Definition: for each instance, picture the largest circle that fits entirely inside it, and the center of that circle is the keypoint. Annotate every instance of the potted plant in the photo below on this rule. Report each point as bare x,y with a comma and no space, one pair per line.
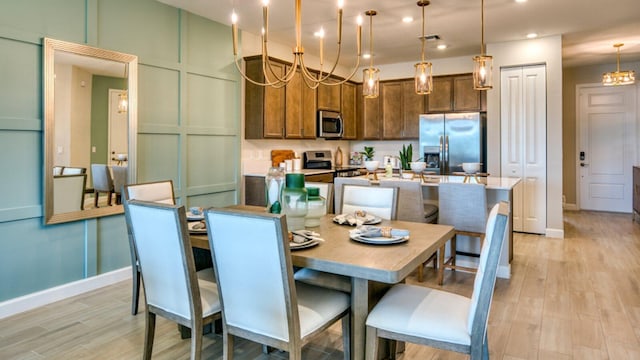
405,157
369,163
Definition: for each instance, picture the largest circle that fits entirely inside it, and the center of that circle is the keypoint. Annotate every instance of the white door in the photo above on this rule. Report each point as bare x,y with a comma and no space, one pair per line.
606,148
523,143
118,129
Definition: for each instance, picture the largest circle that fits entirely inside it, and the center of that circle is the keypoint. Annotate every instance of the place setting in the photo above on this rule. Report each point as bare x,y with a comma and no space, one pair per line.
379,235
303,239
357,218
195,218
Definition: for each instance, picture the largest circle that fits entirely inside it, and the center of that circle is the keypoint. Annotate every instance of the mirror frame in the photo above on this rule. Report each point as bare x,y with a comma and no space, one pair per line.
50,47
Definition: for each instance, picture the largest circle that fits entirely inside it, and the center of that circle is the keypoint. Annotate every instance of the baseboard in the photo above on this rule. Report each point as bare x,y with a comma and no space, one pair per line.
570,207
503,272
554,233
48,296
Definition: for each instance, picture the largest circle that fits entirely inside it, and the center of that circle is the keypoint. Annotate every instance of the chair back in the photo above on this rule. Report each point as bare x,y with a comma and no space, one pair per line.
101,176
158,191
252,263
338,183
70,170
485,279
68,193
119,178
166,261
57,170
375,200
326,191
410,203
464,206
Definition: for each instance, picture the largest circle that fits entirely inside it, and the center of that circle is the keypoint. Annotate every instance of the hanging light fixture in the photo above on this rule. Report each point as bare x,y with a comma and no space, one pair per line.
424,76
123,101
618,77
270,76
371,75
482,64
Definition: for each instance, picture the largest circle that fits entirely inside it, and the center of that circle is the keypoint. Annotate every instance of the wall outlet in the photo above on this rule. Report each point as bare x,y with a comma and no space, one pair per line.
93,149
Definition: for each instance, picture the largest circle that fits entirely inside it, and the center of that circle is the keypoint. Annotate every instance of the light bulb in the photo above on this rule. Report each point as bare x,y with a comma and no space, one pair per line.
359,20
234,18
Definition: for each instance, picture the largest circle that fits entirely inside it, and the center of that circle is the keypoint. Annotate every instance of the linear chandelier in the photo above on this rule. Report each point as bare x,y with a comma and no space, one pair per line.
424,76
311,80
482,64
618,77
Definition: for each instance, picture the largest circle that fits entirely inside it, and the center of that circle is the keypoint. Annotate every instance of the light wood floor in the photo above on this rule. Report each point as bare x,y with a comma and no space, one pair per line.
571,298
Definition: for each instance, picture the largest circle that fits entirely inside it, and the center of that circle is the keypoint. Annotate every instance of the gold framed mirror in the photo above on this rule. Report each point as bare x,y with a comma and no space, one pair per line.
90,116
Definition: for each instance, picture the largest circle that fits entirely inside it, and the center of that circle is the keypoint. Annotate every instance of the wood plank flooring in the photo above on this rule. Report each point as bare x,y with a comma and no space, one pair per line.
571,298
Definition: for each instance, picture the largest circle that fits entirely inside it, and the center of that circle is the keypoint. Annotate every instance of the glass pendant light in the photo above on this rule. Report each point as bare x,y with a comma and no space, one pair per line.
424,76
123,101
618,77
482,64
371,75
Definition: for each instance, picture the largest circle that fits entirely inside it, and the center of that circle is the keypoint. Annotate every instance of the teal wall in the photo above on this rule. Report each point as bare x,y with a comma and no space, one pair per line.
100,86
188,127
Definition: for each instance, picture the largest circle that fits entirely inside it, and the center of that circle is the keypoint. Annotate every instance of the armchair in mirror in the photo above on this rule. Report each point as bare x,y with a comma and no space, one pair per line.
90,113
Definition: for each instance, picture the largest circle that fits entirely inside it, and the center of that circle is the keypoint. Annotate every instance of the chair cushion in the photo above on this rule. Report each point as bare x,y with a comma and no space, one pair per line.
323,279
318,305
423,312
208,294
207,275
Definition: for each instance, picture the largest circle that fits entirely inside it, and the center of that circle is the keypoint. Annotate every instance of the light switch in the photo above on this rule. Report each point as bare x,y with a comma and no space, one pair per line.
93,149
59,149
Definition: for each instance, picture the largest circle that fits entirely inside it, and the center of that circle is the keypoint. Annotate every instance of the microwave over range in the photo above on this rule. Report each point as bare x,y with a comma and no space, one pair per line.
329,124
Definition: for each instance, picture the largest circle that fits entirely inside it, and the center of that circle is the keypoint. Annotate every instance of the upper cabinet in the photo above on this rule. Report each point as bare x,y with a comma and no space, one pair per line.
349,110
300,112
329,97
401,108
369,121
264,105
455,93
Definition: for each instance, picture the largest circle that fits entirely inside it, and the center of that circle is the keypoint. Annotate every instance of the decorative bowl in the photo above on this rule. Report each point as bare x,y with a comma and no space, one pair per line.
471,168
371,165
418,166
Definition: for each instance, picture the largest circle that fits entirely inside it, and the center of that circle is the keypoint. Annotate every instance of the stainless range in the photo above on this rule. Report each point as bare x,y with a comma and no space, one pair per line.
320,159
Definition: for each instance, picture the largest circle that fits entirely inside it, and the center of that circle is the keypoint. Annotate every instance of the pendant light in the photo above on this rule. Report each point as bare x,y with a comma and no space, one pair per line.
123,101
371,75
424,76
482,64
618,77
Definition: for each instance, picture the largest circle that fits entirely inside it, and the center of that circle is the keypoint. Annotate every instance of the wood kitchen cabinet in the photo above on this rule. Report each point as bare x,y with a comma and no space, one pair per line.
348,109
300,111
636,193
455,93
329,96
264,105
369,123
401,108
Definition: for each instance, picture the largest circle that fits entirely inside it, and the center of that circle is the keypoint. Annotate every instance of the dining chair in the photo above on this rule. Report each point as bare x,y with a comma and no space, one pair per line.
268,306
172,288
338,183
464,206
71,170
57,170
159,192
119,174
68,193
102,182
326,191
441,319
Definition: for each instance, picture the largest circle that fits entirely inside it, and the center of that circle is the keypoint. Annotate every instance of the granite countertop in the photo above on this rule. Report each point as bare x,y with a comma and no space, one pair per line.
492,182
302,171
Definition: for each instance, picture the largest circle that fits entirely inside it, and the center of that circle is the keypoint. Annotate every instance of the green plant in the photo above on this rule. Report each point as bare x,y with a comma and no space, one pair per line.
405,156
368,153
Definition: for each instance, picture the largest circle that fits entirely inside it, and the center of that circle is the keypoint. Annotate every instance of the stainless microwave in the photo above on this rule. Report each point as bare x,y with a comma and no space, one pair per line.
329,124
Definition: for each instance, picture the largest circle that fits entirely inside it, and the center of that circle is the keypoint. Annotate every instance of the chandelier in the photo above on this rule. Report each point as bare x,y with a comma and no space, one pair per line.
482,64
618,77
423,77
271,78
371,75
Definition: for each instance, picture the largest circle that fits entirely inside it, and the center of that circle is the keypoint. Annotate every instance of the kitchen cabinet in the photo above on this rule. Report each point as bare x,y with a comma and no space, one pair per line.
264,105
300,110
636,193
401,108
348,108
329,96
455,93
369,123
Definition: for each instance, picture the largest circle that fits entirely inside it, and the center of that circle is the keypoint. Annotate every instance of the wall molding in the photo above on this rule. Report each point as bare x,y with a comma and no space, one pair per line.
554,233
570,207
65,291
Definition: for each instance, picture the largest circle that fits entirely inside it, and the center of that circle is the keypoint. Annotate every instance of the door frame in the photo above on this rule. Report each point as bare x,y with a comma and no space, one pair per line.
579,120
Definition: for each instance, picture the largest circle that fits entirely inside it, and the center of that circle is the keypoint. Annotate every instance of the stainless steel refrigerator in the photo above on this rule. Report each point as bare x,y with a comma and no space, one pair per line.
448,140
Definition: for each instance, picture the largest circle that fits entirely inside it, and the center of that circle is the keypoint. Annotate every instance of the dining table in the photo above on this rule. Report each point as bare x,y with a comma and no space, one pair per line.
373,268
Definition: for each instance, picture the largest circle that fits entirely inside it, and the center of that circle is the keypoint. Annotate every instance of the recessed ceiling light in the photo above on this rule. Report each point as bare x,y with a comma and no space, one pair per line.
366,56
407,19
532,36
521,1
442,46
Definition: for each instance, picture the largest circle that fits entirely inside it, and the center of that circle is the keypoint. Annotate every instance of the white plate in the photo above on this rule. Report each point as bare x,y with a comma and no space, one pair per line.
379,240
191,217
304,245
196,231
375,220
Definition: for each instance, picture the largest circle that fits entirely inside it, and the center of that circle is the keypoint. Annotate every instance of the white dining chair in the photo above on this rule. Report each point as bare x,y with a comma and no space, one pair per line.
102,182
172,288
68,193
338,183
268,306
73,170
119,175
437,318
160,192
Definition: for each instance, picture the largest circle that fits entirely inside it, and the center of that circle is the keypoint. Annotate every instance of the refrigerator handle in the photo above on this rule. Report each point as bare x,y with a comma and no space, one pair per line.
441,156
446,154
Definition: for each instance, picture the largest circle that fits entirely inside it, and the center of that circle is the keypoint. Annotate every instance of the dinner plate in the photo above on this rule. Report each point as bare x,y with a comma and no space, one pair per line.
196,231
375,220
379,240
191,217
304,245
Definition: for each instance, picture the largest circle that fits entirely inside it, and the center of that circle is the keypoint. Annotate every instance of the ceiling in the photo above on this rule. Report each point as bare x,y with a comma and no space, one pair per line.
588,28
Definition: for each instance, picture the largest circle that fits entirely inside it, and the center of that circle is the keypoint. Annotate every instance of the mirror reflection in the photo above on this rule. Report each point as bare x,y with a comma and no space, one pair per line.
89,115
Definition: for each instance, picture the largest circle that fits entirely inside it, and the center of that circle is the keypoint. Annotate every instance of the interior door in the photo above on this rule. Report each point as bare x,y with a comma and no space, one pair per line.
118,129
606,149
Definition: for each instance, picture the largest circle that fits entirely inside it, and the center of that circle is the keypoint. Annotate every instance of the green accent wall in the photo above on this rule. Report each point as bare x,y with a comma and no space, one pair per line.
100,115
188,128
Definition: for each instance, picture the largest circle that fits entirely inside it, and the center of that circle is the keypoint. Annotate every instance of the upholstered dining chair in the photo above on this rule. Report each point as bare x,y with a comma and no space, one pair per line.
119,180
159,192
438,318
72,170
102,182
338,183
268,307
68,193
172,288
464,206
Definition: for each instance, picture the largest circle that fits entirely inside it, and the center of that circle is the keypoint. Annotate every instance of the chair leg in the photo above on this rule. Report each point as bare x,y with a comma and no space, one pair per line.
135,291
227,346
150,329
421,272
109,198
95,199
441,256
371,350
196,339
346,336
453,252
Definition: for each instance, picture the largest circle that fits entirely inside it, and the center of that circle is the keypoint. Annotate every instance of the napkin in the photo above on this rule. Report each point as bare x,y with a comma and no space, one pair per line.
380,231
303,236
357,218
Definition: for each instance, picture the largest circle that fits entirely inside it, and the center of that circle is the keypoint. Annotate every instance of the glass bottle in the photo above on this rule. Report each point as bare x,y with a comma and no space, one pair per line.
317,207
274,182
294,201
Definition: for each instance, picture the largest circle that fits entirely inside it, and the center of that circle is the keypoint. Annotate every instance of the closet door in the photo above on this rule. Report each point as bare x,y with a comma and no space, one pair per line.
523,144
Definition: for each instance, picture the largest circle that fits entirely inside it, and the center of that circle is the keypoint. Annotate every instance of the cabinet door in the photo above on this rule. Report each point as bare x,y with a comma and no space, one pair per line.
440,98
392,119
329,97
300,110
274,100
348,110
309,106
412,106
465,98
370,127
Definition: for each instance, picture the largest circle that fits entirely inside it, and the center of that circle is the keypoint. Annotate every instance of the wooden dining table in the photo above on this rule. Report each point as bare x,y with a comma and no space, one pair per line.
372,268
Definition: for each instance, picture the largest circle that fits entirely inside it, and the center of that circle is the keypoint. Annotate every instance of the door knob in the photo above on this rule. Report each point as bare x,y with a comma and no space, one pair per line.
583,164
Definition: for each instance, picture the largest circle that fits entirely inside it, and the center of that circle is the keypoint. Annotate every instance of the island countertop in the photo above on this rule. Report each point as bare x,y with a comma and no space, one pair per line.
492,182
